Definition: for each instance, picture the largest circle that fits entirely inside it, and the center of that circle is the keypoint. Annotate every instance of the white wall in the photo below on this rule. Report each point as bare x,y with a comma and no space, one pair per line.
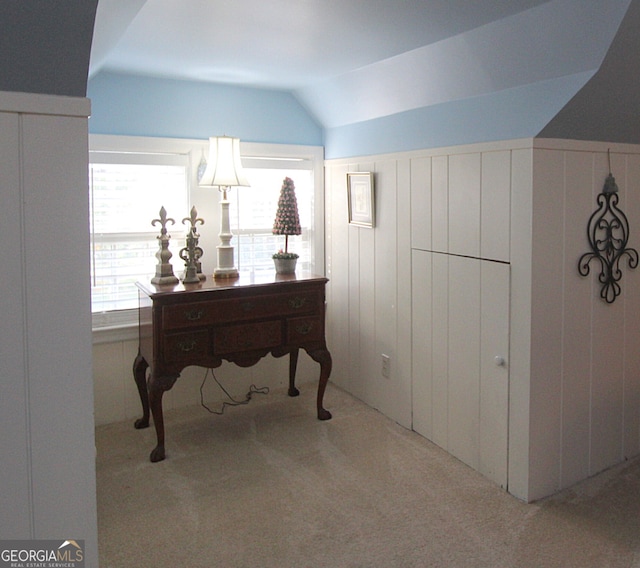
574,379
369,290
46,411
585,362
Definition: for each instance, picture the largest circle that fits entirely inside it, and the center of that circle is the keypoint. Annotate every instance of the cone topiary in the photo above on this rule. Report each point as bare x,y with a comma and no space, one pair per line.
287,220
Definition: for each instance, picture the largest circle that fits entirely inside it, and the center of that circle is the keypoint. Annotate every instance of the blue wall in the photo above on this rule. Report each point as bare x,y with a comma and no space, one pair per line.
145,106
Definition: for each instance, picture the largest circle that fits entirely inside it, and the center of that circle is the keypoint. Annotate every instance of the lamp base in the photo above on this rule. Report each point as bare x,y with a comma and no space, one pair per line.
225,268
225,273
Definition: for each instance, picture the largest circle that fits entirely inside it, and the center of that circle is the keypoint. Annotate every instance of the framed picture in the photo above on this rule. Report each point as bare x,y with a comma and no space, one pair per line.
361,198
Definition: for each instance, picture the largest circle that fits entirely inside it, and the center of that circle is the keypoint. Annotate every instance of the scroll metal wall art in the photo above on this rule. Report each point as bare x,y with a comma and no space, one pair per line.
608,234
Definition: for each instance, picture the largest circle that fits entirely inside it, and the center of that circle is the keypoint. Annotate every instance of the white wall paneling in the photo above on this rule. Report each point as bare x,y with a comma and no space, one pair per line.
493,431
464,204
630,188
495,206
520,329
495,234
460,392
47,410
14,410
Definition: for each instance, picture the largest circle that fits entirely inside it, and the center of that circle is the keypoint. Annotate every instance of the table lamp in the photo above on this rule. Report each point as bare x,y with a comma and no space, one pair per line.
224,171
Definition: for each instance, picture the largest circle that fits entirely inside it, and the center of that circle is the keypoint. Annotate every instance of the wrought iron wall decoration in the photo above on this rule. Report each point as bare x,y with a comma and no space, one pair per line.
608,234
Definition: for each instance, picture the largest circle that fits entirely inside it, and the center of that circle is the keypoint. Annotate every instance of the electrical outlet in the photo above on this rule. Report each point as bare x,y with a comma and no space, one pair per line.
386,366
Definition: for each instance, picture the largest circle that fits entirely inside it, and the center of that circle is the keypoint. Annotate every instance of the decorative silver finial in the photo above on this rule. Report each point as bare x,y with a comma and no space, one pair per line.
193,221
164,270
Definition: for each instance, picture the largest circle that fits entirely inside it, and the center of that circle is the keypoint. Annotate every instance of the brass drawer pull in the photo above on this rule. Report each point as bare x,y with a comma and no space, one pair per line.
187,346
193,315
304,329
297,302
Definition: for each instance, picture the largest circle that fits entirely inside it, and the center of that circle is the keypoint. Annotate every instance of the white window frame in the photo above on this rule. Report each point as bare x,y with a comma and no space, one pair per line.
118,326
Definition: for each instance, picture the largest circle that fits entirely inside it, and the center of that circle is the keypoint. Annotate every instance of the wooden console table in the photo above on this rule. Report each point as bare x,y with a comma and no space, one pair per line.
239,320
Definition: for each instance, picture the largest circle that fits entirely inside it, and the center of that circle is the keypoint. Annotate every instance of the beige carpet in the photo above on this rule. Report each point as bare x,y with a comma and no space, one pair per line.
268,485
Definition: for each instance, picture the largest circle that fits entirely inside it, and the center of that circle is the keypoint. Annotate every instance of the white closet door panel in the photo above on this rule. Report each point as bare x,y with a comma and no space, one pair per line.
494,370
440,203
495,209
421,203
422,341
440,360
464,359
464,204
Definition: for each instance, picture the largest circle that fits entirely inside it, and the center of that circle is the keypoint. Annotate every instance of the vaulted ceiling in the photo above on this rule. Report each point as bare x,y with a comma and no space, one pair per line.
473,70
350,61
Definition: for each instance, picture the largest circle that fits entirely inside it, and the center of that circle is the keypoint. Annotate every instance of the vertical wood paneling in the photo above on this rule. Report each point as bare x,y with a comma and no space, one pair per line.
573,369
14,442
440,349
367,303
421,203
400,395
494,377
464,204
464,359
520,322
495,207
631,291
422,343
576,337
353,292
440,203
339,273
607,357
60,393
386,284
546,320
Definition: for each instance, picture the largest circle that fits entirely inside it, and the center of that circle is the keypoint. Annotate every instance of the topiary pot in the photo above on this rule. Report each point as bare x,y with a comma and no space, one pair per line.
285,265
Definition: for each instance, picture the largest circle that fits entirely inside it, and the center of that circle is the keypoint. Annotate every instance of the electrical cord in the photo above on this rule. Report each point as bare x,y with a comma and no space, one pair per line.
252,390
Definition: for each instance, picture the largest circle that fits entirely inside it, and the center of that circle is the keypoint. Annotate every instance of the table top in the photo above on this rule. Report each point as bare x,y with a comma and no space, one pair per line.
266,278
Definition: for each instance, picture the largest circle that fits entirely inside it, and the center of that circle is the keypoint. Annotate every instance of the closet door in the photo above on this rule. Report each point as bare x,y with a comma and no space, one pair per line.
460,358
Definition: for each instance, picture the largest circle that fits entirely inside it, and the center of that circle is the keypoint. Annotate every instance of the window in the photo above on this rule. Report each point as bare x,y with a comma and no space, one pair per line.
130,178
126,194
254,208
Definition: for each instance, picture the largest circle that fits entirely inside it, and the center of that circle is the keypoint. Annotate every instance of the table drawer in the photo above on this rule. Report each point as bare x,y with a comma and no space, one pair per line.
197,314
305,329
186,346
247,337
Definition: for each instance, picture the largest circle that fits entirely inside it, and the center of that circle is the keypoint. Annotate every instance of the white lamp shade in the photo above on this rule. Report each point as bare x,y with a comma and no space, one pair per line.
224,167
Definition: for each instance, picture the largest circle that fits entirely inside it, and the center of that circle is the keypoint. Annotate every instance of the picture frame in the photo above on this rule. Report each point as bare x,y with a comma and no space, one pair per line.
361,199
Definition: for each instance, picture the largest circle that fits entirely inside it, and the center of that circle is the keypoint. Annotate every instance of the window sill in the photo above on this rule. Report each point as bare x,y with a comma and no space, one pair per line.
115,334
112,327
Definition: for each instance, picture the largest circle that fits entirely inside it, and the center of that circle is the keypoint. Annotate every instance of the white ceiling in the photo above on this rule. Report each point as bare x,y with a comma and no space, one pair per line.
283,44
